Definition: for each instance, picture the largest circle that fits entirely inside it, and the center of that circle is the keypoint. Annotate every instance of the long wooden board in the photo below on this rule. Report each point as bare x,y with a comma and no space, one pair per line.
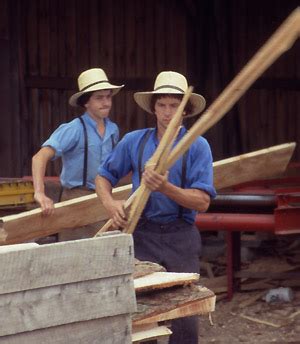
109,330
161,280
63,304
84,210
74,213
30,267
260,164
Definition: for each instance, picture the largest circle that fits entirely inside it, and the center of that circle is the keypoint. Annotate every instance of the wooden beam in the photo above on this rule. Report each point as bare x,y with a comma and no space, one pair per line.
260,164
84,210
69,214
65,262
161,280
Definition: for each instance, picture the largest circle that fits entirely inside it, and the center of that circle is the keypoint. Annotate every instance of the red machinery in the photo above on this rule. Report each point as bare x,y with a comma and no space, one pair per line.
260,206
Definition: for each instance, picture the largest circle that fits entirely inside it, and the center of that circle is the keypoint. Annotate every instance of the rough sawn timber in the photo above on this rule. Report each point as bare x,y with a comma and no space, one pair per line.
75,291
81,211
74,213
173,303
260,164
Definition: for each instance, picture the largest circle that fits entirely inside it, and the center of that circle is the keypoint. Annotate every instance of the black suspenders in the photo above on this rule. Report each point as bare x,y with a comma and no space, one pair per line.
140,168
141,152
86,145
85,159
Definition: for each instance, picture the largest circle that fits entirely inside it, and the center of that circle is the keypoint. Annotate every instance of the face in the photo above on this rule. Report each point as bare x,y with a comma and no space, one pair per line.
164,109
99,104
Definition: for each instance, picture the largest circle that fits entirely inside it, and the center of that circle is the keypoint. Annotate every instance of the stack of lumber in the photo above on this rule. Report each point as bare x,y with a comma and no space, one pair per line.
69,292
163,296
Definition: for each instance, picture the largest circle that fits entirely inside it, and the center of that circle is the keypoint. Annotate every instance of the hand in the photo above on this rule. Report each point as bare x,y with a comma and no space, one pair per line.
45,203
115,209
155,181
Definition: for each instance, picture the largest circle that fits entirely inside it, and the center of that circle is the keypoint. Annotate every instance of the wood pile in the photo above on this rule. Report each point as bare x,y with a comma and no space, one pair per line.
163,296
68,292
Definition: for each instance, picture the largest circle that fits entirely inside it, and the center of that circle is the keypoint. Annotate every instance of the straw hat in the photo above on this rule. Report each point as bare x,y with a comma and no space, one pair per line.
170,83
92,80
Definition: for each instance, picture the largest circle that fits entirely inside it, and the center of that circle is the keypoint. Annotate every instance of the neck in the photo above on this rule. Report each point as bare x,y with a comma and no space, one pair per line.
100,124
99,121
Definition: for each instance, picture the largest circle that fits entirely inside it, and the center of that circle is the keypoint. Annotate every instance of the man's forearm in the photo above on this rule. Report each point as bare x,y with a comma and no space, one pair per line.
189,198
103,189
39,164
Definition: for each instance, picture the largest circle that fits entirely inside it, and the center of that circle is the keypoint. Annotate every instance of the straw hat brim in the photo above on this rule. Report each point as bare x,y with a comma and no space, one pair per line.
103,86
143,99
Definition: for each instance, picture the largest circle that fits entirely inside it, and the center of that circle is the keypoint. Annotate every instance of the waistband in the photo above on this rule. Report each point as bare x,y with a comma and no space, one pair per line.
178,225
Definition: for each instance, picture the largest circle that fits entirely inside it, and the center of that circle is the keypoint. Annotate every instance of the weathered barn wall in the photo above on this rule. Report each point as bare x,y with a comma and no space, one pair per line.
45,44
226,35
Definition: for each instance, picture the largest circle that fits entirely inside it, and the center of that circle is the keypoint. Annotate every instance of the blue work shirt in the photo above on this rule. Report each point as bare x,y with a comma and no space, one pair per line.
160,208
68,142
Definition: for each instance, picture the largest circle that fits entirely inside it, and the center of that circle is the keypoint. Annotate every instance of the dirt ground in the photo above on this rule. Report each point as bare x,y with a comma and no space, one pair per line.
248,318
282,321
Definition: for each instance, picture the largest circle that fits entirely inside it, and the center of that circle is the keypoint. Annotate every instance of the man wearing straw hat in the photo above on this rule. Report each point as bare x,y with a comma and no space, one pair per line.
165,233
82,144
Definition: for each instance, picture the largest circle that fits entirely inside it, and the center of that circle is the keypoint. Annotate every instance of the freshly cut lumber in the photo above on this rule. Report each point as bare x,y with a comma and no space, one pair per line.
84,210
74,213
161,280
260,164
173,303
143,268
151,334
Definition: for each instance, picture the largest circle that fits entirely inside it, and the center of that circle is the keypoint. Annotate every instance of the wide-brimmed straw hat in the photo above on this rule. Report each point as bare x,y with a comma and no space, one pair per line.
92,80
170,83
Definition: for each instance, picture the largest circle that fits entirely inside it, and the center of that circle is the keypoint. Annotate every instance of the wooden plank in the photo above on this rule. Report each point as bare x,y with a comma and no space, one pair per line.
88,209
63,304
65,262
116,329
151,334
143,268
69,214
260,164
173,303
161,280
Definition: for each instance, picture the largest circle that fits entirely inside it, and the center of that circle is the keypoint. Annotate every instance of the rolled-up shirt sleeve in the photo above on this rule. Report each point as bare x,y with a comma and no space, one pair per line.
201,171
64,138
118,163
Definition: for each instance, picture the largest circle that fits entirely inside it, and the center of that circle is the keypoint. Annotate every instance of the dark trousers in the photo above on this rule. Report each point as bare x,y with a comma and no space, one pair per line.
177,247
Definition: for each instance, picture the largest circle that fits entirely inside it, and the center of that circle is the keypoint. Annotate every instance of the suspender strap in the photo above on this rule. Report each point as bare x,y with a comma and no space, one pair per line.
183,179
85,160
141,152
184,165
113,144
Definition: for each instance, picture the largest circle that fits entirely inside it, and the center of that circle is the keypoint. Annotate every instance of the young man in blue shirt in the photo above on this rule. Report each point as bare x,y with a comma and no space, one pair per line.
82,144
165,233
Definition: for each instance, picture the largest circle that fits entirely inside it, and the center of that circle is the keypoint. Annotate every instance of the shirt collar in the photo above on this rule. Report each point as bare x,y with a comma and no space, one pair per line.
181,133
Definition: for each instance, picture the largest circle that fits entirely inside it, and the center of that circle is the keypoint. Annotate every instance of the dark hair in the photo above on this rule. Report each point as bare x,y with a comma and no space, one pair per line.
84,98
188,108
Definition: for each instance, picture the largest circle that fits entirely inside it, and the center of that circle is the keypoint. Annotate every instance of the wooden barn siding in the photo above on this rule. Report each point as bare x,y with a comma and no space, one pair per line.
130,40
133,40
229,34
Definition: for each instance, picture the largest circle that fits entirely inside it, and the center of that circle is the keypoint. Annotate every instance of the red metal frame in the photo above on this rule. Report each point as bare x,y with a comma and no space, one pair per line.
284,220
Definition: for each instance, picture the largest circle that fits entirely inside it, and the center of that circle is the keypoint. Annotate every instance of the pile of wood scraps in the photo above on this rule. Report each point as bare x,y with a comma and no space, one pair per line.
163,296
